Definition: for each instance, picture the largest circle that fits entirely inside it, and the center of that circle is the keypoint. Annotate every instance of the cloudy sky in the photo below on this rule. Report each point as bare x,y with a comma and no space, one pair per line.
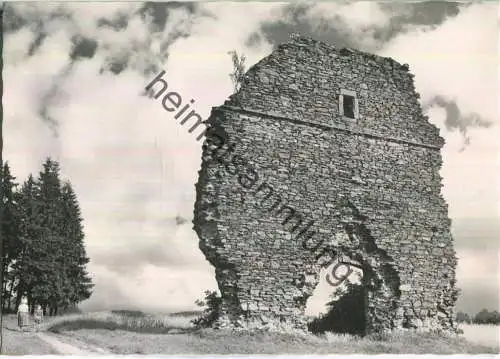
74,76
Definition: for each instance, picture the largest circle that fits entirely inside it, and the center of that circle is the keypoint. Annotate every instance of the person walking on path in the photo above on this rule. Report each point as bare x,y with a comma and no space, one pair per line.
23,314
38,316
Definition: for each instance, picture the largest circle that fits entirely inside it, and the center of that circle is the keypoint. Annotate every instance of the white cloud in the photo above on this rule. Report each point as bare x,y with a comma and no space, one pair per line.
459,59
470,177
357,15
16,48
151,288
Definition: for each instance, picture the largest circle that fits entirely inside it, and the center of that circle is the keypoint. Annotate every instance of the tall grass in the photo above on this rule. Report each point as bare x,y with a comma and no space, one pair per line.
210,341
133,321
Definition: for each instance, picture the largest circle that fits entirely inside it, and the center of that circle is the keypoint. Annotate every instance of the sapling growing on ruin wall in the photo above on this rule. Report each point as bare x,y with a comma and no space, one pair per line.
238,69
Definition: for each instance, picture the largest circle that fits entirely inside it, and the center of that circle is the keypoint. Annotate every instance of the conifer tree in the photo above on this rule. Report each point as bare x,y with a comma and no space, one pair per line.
47,290
45,252
1,187
79,282
26,267
10,231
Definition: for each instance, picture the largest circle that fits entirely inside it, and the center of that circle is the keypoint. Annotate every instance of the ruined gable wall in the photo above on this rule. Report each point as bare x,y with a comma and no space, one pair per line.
301,80
398,215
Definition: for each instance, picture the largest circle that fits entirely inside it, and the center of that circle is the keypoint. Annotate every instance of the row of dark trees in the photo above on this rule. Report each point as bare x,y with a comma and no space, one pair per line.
44,257
483,317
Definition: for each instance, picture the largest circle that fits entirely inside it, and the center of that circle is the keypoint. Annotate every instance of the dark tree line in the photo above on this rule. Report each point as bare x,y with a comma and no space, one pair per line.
482,317
43,254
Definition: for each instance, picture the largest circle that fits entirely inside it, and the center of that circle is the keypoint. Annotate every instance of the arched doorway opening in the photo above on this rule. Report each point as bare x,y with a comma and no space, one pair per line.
370,304
338,301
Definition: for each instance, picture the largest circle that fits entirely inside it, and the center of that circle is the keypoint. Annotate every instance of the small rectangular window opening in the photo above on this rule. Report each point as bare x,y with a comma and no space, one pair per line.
348,104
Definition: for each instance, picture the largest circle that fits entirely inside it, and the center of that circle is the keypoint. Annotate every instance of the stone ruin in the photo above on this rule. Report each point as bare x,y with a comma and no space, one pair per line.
325,152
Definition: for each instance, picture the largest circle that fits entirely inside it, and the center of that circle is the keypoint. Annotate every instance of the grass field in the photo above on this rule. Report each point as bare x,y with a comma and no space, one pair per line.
17,343
482,334
139,333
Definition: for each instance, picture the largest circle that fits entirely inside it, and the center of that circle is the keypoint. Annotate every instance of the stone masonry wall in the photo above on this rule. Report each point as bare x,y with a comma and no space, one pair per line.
371,188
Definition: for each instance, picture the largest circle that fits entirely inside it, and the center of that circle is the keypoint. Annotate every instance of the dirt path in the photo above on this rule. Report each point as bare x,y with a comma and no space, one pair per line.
69,349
